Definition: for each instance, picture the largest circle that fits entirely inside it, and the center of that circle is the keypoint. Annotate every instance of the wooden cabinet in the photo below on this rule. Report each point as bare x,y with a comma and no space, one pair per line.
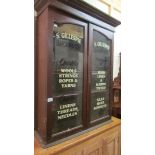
116,107
104,140
74,65
112,144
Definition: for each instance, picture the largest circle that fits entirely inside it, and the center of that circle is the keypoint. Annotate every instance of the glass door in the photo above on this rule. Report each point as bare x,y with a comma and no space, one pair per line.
67,76
100,73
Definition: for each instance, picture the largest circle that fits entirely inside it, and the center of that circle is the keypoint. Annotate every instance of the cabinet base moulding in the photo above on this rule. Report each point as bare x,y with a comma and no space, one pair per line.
104,140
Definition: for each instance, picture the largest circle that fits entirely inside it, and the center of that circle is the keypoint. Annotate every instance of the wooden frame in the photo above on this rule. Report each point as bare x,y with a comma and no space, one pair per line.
50,12
108,35
62,18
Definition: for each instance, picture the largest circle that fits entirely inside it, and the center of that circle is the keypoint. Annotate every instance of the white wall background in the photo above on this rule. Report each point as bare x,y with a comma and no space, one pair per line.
117,50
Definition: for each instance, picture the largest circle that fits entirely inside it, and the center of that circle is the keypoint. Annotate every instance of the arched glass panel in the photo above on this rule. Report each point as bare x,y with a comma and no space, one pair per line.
100,75
68,51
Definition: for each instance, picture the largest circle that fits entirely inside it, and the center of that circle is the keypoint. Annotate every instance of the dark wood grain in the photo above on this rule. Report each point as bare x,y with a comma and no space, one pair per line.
82,9
74,12
41,57
35,74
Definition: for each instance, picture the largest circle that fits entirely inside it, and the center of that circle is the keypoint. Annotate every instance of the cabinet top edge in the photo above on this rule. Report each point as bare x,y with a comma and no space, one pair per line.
80,5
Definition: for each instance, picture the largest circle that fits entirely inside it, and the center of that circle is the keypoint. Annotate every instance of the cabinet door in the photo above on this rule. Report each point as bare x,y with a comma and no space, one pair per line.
111,146
100,74
94,149
67,75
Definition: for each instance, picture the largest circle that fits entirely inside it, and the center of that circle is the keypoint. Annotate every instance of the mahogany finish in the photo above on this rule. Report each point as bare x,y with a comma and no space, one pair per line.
74,12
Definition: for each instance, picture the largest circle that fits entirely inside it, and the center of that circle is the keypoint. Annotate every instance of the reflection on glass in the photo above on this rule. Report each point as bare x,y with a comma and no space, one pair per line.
100,76
68,40
68,58
67,113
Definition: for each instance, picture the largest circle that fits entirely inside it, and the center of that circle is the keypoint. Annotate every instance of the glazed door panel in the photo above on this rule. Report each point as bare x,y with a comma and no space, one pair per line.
66,91
100,73
68,55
